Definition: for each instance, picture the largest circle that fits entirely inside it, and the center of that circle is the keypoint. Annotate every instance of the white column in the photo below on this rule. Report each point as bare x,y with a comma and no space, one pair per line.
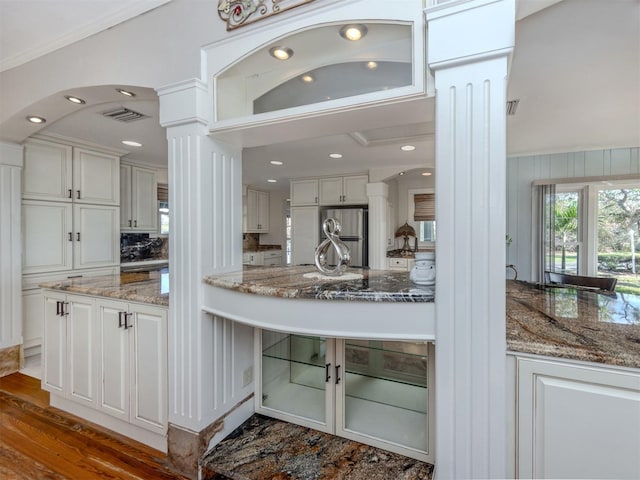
469,45
205,199
378,222
10,246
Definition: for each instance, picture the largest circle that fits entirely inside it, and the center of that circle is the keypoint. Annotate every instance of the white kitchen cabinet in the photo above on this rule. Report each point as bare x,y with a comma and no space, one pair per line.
60,236
59,172
304,192
69,347
47,172
305,234
576,420
348,190
374,392
96,177
404,264
257,218
133,363
267,258
47,236
138,199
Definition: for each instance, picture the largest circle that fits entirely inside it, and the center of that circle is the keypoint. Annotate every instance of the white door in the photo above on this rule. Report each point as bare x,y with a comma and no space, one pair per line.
46,236
47,171
304,234
81,345
113,364
355,189
304,192
54,343
148,333
577,421
252,211
144,199
32,317
330,191
126,216
96,177
96,236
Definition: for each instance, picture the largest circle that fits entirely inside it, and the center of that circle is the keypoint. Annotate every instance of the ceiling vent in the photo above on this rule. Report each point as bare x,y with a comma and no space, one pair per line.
512,106
122,114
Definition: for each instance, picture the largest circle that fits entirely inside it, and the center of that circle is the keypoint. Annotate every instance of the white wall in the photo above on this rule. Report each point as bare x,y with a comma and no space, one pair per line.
522,171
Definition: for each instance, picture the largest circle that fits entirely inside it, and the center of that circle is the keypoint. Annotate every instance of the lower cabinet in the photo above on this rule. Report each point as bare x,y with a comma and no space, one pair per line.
69,367
575,420
108,355
375,392
133,363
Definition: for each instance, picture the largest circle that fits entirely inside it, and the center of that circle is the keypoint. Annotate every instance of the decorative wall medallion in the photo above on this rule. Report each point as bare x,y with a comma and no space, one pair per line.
238,13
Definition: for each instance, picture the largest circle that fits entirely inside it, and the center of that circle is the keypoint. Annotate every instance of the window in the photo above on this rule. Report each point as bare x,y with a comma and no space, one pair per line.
422,215
592,229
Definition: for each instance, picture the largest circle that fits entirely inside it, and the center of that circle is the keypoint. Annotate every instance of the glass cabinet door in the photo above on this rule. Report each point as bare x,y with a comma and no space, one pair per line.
296,378
384,396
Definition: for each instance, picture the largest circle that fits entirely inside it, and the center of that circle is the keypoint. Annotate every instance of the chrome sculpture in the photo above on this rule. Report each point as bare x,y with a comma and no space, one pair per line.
331,228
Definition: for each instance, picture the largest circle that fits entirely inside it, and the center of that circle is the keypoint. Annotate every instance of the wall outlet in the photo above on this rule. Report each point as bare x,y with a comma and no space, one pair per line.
247,376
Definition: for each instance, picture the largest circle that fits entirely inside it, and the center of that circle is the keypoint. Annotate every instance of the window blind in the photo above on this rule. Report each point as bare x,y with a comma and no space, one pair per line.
424,207
163,192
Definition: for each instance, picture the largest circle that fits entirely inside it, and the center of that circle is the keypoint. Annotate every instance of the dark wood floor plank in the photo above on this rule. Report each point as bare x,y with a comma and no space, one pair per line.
57,445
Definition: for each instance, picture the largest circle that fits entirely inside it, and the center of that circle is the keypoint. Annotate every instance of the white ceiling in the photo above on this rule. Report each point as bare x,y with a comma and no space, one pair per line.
576,71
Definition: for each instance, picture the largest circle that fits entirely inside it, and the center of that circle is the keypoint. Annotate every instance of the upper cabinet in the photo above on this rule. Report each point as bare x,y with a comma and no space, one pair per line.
348,190
304,192
63,173
138,199
257,215
343,190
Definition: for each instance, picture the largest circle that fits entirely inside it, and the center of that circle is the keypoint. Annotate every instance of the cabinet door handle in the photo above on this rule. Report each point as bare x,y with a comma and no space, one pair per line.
78,194
126,318
129,222
338,374
70,193
316,201
58,308
78,236
135,223
120,323
327,375
70,237
64,310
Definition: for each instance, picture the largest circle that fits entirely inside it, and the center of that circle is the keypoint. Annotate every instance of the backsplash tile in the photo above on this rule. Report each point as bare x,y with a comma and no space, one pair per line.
137,247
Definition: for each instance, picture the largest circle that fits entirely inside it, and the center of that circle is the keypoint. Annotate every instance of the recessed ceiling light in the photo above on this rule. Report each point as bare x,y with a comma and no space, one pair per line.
35,119
132,143
426,174
281,53
271,180
275,162
371,65
75,100
353,32
307,78
407,148
335,155
401,173
125,92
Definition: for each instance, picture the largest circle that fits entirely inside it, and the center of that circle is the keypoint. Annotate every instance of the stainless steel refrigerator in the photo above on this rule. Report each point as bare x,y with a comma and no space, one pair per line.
354,233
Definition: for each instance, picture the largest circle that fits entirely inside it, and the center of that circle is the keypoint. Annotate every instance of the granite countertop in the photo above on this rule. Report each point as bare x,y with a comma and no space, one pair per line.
573,323
144,287
262,248
290,282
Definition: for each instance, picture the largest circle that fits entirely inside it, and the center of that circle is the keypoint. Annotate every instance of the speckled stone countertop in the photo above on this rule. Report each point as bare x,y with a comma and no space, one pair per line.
289,282
575,324
144,287
267,449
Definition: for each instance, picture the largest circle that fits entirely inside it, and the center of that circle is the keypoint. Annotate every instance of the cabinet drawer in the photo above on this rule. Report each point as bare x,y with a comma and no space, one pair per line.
274,254
397,262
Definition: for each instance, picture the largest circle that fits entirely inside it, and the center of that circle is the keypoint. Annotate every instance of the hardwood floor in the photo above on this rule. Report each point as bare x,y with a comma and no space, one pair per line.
41,442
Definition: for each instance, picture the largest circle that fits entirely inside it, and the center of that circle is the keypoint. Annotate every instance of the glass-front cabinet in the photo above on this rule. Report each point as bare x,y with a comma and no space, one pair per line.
373,391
